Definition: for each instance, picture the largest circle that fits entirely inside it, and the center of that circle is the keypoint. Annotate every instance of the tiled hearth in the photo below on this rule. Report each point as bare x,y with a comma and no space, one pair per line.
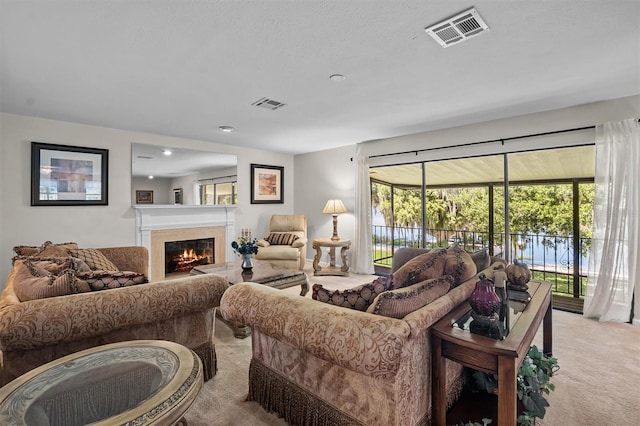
158,224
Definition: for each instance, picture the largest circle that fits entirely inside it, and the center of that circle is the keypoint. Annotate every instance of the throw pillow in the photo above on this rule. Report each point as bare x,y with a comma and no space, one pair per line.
104,280
94,258
281,238
358,298
422,267
401,302
481,258
33,250
58,250
459,265
32,281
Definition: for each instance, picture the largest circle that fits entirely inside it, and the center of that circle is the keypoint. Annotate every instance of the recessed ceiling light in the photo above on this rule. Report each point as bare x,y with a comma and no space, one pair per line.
166,152
337,77
226,129
150,177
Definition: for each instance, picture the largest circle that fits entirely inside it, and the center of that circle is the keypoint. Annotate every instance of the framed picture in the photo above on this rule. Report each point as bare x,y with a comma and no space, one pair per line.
63,175
177,196
144,196
267,184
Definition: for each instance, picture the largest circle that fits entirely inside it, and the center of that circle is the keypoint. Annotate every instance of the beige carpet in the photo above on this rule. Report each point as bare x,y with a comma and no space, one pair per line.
597,383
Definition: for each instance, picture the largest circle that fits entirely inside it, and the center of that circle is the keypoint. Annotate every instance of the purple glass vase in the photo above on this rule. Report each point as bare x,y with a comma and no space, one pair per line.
484,300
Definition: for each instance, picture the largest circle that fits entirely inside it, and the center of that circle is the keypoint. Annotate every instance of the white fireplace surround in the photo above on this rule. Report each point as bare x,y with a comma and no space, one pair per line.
157,224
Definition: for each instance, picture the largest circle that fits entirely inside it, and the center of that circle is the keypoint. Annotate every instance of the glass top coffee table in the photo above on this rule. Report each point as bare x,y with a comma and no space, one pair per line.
264,273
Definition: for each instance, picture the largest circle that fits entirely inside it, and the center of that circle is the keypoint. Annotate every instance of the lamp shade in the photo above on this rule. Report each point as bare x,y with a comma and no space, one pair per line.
334,207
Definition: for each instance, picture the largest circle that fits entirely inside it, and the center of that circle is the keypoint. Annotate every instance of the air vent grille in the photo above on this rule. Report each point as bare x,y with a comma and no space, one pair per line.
268,104
458,28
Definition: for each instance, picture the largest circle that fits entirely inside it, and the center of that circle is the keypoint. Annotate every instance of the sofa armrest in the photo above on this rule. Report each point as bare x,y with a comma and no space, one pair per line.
362,342
133,258
48,321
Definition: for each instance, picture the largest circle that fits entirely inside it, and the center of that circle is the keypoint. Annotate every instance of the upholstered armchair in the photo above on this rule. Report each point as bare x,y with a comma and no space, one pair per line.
286,244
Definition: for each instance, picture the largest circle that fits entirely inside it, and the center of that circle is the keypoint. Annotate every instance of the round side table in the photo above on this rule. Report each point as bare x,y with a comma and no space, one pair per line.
332,269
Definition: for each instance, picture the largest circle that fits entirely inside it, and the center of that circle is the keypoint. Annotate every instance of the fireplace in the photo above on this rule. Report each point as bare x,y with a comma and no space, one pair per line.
160,224
183,256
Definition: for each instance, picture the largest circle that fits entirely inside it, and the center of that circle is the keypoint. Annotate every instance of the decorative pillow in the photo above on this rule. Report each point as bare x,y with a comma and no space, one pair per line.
26,250
459,265
358,298
104,280
481,258
48,249
58,250
32,281
401,302
422,267
94,258
281,238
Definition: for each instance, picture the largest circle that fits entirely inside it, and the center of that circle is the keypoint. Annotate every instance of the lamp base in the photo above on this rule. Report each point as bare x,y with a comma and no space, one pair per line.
335,237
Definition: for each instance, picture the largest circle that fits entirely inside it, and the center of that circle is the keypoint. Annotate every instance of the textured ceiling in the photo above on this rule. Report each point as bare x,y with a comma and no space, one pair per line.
183,68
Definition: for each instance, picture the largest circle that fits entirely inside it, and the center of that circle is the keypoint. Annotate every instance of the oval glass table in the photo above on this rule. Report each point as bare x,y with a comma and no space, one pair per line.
139,382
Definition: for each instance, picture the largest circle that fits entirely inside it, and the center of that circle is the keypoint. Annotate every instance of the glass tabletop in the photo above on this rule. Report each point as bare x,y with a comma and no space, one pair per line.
500,326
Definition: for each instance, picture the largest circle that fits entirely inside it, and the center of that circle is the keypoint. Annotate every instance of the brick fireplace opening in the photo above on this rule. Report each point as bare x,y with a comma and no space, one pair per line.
182,256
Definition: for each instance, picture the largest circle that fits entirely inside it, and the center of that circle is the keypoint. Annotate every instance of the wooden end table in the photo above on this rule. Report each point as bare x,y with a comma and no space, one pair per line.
488,354
332,269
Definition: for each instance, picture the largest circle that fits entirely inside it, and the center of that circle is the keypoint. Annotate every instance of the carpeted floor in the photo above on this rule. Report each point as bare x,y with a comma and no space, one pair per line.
597,383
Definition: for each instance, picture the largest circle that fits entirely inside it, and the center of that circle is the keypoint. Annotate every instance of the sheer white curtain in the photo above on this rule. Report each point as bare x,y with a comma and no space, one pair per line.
362,257
614,268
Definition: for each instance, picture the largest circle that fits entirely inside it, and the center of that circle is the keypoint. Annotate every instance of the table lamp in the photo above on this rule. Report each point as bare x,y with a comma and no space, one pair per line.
334,207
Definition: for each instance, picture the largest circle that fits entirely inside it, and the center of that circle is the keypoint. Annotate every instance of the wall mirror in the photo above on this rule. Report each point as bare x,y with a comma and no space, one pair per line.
183,176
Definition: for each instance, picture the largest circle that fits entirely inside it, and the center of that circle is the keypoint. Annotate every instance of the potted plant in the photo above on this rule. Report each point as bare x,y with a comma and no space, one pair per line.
533,384
246,248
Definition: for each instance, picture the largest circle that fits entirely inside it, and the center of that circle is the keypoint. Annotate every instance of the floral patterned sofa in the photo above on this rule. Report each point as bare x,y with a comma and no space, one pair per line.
320,364
34,332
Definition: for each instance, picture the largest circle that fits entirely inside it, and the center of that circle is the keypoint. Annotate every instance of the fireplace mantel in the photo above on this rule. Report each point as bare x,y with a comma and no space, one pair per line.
156,223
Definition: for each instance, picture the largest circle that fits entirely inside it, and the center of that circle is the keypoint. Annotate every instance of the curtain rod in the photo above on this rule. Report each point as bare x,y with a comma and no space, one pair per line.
501,140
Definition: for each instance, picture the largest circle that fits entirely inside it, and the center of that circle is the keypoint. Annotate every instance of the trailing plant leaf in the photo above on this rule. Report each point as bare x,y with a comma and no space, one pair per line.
532,384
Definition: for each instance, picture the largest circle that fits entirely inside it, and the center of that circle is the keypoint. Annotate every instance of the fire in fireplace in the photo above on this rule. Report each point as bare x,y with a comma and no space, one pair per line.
182,256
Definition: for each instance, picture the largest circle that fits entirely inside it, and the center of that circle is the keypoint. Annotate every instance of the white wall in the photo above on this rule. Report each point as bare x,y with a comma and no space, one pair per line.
321,176
112,225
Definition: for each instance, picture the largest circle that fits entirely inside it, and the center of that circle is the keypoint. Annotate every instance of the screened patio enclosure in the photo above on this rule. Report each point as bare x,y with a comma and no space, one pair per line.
545,221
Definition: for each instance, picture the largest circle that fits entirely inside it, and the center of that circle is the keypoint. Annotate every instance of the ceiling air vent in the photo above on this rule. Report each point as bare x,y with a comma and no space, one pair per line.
268,104
458,28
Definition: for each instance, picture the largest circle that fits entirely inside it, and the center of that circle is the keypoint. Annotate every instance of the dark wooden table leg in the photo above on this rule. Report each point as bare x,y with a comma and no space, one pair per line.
438,384
507,391
547,331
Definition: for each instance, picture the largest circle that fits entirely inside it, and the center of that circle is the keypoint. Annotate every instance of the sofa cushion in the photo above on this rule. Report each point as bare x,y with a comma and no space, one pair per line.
94,258
422,267
281,238
358,298
33,280
459,265
481,258
104,280
401,302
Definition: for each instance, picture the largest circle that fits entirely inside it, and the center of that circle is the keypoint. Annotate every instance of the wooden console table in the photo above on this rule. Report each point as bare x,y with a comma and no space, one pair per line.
332,269
490,355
